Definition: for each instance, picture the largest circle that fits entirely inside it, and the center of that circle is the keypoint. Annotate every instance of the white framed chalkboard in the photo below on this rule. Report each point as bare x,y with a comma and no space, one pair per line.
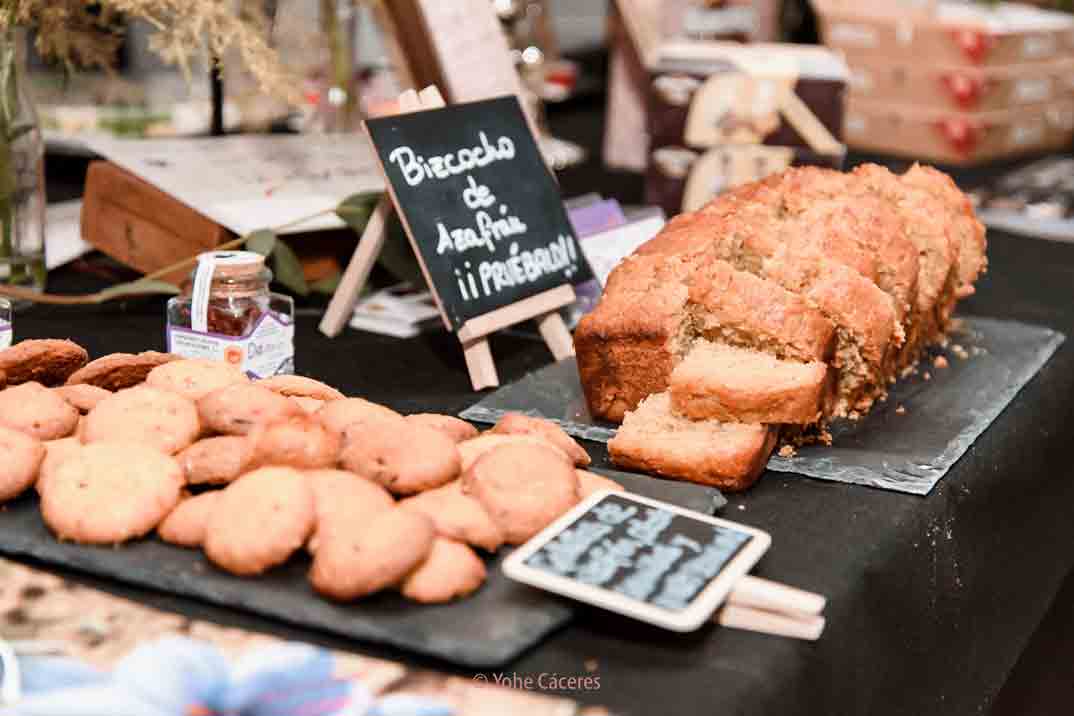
643,558
482,210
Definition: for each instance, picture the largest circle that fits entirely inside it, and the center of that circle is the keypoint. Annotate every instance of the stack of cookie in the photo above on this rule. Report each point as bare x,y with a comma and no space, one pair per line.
253,472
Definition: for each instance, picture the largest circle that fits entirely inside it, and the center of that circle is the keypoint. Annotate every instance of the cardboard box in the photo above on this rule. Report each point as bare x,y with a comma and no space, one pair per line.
967,89
725,114
946,33
951,137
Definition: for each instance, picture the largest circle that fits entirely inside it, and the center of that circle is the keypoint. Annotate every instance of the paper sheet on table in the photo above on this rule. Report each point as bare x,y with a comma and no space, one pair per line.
907,450
253,182
63,233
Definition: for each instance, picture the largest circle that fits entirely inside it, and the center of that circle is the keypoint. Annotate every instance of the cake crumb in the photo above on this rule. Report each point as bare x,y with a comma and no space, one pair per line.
787,451
959,351
940,362
926,375
900,410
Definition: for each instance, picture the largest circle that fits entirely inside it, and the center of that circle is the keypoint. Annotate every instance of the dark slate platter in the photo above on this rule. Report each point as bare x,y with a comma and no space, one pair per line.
488,630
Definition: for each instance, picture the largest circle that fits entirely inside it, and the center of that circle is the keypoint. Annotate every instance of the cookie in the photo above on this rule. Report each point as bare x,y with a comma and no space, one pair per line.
236,409
82,397
342,499
298,386
194,379
338,415
33,409
260,520
110,492
456,429
365,558
309,405
402,457
45,361
185,525
56,452
451,571
117,371
165,421
300,441
471,450
457,516
523,488
518,424
20,460
590,482
215,461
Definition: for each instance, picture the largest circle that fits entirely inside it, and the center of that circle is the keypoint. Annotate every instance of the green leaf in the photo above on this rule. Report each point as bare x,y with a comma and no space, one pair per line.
355,210
328,284
18,130
262,241
143,286
289,269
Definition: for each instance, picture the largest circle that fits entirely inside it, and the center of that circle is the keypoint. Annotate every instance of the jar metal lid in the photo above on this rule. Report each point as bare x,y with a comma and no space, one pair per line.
232,258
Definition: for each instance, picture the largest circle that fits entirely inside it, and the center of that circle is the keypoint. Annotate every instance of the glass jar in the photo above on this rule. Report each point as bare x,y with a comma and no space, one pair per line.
7,332
229,314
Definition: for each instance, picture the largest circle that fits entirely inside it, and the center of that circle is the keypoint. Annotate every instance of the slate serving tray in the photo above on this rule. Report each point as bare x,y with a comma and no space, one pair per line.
488,630
906,444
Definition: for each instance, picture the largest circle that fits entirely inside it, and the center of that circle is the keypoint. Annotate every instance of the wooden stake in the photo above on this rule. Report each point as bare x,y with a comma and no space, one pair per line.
354,277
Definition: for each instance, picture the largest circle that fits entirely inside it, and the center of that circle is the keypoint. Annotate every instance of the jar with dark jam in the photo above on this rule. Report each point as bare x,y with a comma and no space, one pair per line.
228,313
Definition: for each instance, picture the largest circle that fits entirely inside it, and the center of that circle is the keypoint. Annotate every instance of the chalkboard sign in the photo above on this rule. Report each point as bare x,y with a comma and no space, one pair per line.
647,559
480,206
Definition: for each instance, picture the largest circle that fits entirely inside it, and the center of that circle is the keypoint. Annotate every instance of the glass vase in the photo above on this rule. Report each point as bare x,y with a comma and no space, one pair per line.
22,175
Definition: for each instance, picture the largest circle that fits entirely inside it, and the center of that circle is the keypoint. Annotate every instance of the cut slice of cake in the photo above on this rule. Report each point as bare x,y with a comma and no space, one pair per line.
738,385
730,456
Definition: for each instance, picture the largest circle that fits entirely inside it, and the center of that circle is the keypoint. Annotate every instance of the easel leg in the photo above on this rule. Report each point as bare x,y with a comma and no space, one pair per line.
350,286
555,334
479,363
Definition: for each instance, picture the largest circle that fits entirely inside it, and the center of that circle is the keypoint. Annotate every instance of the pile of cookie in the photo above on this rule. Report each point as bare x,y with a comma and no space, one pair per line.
254,471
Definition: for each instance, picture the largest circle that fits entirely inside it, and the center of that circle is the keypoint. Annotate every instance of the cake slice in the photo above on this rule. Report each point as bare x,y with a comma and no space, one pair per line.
730,456
737,385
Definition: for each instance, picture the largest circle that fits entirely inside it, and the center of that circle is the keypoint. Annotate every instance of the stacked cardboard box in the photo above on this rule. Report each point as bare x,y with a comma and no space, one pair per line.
954,82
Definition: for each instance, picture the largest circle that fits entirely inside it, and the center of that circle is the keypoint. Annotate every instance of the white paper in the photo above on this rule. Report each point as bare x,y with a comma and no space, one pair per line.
63,233
253,182
605,250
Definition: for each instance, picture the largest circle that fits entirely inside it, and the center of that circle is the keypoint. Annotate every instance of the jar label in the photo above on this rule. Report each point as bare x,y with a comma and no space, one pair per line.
267,350
6,334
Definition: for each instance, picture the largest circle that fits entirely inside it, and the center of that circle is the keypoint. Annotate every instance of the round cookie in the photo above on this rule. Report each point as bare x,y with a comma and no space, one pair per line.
260,520
45,361
590,482
195,378
56,452
403,458
456,429
236,409
342,499
185,525
338,415
215,461
298,386
309,405
523,487
110,492
451,570
300,441
83,397
365,558
35,410
165,421
471,450
518,424
457,516
117,371
20,460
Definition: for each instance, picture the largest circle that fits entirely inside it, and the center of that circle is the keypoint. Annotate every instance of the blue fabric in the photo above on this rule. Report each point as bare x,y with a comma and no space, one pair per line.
180,677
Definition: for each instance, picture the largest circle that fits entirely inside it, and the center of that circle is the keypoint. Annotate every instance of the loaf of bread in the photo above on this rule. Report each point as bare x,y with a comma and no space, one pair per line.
788,301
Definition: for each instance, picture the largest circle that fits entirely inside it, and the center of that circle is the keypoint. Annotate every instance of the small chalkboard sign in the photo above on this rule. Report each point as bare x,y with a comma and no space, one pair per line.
656,562
480,205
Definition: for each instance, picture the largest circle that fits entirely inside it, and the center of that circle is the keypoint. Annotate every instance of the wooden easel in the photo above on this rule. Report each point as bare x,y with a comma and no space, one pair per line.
543,307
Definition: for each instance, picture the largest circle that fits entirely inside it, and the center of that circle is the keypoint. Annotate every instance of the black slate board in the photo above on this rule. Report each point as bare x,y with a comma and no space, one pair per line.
906,450
494,187
489,629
